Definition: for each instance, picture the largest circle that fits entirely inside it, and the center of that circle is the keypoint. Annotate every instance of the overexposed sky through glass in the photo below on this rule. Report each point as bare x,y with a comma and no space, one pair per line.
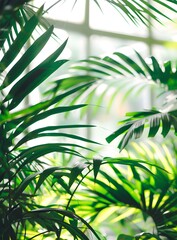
69,11
111,20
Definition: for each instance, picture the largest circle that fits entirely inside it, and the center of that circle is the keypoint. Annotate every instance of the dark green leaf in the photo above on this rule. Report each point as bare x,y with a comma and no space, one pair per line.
44,175
30,81
23,36
121,130
134,126
165,124
157,70
154,125
75,172
37,117
125,237
96,166
24,185
27,57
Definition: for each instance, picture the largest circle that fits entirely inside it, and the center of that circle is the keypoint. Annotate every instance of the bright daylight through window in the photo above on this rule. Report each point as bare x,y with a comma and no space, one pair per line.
100,32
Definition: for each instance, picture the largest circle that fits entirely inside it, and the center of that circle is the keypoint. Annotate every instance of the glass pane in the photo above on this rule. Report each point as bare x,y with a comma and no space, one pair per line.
77,43
166,29
165,52
109,19
69,11
137,94
105,45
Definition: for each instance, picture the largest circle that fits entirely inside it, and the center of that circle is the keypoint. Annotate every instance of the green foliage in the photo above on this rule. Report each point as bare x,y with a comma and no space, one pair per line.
124,73
120,193
25,174
138,121
140,185
162,75
139,11
125,195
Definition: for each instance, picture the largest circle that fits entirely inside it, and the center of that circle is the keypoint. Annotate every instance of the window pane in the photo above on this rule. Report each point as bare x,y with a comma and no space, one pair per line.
166,52
77,43
166,29
69,11
109,19
107,45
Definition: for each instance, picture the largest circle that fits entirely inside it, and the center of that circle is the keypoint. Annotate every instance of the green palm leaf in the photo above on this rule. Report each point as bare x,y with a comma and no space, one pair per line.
113,72
120,73
126,66
48,131
135,125
123,72
27,57
48,214
19,42
25,175
138,11
152,194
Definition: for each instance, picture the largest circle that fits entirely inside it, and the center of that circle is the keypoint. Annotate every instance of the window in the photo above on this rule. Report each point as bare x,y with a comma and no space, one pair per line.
95,32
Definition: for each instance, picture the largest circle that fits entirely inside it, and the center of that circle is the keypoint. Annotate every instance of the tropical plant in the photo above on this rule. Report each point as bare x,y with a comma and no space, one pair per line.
118,68
130,196
132,193
24,170
26,173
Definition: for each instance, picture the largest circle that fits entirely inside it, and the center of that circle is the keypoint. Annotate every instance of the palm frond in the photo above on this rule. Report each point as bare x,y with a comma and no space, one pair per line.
135,125
9,26
27,82
45,217
120,65
113,72
119,73
125,192
24,167
139,11
14,15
